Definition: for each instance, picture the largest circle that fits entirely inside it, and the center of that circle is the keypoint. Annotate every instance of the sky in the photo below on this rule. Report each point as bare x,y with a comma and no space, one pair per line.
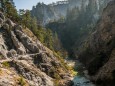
27,4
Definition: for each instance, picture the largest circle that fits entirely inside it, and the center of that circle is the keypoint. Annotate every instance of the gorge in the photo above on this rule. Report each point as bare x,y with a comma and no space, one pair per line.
67,43
84,32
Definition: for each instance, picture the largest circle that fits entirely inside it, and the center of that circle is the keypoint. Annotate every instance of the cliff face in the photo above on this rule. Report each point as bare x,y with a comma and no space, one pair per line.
48,13
98,53
25,61
53,12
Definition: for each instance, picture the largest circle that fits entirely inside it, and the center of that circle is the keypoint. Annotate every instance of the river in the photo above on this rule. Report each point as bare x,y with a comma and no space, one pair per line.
82,78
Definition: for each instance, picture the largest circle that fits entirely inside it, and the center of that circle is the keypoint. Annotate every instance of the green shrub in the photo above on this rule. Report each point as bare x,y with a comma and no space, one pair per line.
0,71
21,81
6,64
1,56
56,82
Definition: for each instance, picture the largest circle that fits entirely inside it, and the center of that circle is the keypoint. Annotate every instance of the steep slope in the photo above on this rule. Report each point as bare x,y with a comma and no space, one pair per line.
25,61
98,53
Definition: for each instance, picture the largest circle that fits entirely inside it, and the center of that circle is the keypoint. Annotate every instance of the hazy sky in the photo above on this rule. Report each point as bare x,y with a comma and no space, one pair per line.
27,4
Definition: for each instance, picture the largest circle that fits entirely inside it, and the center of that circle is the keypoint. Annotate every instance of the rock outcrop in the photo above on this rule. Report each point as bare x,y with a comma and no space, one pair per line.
98,53
19,46
26,60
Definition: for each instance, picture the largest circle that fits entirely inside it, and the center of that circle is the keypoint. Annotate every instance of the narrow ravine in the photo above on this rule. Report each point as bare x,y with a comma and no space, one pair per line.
81,79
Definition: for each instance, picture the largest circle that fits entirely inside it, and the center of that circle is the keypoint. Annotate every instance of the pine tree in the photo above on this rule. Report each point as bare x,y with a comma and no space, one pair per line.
10,11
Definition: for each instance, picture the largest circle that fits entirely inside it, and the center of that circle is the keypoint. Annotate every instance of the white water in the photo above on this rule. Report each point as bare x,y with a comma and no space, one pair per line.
82,81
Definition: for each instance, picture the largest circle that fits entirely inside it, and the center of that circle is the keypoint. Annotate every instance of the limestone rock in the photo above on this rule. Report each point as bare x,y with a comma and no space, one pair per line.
27,42
10,23
6,26
3,48
12,53
32,74
19,46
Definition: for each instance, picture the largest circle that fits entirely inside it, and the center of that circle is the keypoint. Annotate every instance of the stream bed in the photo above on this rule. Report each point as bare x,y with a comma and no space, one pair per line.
82,81
82,78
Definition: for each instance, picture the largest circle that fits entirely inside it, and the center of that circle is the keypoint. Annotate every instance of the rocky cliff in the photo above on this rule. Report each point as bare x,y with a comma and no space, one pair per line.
55,11
24,61
48,13
98,52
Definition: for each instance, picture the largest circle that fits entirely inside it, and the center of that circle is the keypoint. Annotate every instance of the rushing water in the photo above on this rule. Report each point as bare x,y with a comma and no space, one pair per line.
82,78
82,81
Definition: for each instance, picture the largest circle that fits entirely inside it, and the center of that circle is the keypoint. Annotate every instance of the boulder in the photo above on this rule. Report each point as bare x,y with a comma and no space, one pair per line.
21,51
6,26
27,42
10,23
12,53
19,46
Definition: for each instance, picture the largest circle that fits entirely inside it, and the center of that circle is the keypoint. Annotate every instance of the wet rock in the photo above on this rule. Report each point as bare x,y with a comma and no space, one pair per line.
86,82
66,83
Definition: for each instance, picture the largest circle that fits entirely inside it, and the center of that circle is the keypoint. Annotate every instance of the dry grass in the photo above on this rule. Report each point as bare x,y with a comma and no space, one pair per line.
22,81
